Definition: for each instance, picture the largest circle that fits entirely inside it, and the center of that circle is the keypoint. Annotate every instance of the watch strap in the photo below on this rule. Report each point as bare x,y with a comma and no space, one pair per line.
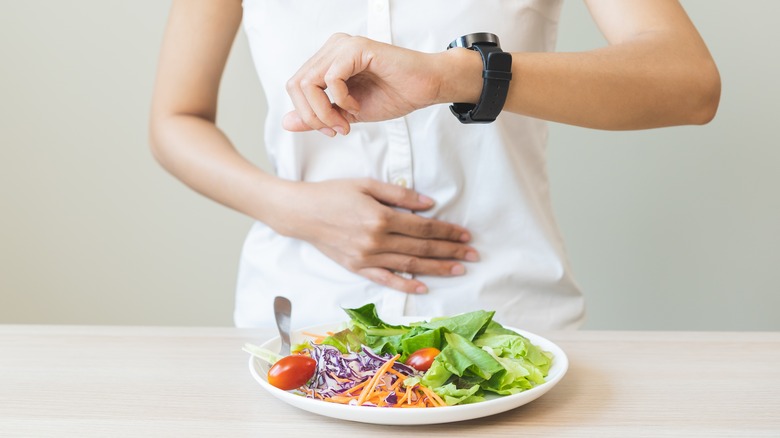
496,75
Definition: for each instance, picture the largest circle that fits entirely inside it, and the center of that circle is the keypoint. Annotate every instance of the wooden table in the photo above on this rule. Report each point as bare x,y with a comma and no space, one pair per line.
95,381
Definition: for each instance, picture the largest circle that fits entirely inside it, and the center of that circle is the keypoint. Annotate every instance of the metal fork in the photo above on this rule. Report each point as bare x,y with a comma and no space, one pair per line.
282,312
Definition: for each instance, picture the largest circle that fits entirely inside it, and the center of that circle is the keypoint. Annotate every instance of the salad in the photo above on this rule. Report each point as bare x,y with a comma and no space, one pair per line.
441,362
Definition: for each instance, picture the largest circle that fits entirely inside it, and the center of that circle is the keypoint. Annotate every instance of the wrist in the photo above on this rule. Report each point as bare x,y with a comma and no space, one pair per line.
272,203
460,76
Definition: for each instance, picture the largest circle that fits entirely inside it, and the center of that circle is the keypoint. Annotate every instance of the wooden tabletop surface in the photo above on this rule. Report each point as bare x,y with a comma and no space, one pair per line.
112,381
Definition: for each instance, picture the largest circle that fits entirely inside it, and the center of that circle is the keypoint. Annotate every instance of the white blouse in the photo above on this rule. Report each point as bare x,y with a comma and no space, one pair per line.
491,178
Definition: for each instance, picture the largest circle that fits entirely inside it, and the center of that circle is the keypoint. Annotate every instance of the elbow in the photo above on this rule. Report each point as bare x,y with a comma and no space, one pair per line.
156,141
706,95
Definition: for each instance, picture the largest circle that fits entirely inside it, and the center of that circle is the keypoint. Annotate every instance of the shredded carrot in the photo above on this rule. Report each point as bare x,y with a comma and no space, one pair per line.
312,393
337,378
406,395
435,397
355,388
339,399
310,334
396,373
374,380
397,383
317,337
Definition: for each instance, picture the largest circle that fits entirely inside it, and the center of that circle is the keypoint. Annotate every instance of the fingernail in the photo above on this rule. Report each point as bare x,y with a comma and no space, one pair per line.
340,130
421,289
458,270
465,237
425,200
472,256
327,131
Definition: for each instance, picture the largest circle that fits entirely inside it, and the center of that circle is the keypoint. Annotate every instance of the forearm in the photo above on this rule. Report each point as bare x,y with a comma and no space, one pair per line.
633,85
656,71
196,152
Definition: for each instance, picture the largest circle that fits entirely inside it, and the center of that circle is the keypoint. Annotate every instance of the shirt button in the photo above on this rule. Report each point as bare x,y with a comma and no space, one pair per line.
379,5
401,182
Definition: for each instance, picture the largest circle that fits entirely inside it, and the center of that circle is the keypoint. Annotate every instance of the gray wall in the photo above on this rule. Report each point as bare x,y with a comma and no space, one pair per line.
679,228
667,229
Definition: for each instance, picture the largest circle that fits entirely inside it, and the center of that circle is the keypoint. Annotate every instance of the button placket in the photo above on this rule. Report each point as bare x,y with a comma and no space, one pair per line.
399,153
378,21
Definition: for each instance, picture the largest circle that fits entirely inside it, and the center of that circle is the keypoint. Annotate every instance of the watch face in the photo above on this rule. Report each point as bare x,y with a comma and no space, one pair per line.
466,41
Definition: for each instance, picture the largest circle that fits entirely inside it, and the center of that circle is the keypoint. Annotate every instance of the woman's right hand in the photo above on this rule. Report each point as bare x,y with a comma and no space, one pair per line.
356,222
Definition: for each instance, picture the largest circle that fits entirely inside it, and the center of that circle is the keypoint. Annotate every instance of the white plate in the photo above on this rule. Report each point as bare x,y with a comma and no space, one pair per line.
398,416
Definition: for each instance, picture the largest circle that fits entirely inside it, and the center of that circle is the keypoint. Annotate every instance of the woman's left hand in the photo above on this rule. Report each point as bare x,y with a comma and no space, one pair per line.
366,80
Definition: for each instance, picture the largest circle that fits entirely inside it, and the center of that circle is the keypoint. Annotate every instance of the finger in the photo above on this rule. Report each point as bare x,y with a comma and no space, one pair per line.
336,82
303,109
416,226
353,60
417,265
293,122
430,248
389,279
323,108
397,196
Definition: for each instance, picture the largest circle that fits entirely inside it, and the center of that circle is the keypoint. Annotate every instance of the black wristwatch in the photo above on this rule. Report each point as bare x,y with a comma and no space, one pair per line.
496,74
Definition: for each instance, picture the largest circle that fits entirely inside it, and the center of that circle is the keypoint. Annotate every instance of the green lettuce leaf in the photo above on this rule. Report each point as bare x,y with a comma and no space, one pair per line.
367,319
261,353
452,395
469,325
517,347
460,356
347,340
419,338
437,375
517,376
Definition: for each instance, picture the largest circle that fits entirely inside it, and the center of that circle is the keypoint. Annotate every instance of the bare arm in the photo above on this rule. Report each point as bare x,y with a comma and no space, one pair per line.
350,221
184,136
656,71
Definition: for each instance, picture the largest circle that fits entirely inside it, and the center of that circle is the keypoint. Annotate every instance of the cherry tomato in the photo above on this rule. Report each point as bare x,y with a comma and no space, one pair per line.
291,372
422,359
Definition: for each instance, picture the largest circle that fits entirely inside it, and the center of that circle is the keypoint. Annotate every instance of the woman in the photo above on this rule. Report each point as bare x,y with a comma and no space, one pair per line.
380,194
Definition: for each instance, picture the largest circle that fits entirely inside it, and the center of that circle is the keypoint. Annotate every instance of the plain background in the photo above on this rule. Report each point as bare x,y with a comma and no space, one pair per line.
671,228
